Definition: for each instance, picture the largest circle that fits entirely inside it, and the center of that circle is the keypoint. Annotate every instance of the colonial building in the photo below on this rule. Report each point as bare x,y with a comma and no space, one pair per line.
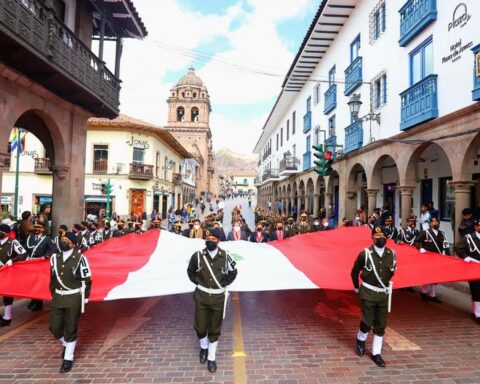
189,121
242,182
392,87
51,82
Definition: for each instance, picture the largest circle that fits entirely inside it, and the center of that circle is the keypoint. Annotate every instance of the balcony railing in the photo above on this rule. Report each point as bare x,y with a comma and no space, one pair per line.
476,73
270,174
353,136
289,165
141,171
177,179
307,160
419,102
67,66
100,166
415,16
353,76
307,122
42,166
330,99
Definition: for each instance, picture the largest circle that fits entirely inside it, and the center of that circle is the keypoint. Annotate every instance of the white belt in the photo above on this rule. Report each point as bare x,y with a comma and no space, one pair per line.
374,288
69,292
215,291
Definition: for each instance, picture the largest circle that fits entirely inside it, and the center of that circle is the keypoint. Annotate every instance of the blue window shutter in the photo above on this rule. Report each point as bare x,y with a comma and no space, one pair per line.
384,89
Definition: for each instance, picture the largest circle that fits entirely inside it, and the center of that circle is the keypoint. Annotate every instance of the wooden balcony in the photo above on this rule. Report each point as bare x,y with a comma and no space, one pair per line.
34,42
140,171
42,166
177,179
100,166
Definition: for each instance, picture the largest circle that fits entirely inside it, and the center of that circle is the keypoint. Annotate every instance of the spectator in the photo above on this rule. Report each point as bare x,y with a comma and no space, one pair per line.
385,213
466,226
424,217
433,212
280,207
294,211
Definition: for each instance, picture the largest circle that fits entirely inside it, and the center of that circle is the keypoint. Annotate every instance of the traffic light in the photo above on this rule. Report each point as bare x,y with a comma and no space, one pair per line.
328,155
324,162
103,189
108,188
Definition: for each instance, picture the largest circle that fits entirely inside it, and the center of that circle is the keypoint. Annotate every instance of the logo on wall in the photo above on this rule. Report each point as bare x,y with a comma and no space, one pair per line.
138,143
460,17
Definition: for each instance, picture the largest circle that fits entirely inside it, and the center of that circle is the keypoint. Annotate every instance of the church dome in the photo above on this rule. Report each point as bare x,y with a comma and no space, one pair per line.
191,79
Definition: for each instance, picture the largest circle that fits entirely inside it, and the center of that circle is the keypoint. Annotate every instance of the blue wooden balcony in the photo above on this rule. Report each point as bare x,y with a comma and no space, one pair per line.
330,143
415,16
419,102
307,160
330,99
353,136
353,76
307,122
476,73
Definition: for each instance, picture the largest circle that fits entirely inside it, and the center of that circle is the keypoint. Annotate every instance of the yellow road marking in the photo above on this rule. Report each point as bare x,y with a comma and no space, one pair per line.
22,327
239,356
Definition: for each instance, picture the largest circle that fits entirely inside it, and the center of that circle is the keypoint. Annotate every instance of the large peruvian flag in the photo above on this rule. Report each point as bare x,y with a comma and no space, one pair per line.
155,264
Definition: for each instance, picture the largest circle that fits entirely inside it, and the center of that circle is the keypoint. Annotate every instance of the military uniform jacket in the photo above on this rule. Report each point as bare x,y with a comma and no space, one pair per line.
118,233
94,238
385,266
106,234
407,235
222,266
303,227
39,246
11,250
82,241
433,243
390,232
468,245
68,275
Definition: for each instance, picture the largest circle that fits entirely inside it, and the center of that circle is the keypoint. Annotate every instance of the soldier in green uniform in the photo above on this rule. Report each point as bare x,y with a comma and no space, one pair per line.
95,236
211,270
390,230
119,232
291,228
11,251
376,266
82,237
303,226
138,228
70,286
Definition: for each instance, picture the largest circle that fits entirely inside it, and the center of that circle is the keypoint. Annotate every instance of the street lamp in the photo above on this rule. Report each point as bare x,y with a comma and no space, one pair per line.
354,104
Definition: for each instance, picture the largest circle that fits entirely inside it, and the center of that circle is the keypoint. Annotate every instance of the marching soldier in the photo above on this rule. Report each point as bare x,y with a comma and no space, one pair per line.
177,227
186,232
82,237
39,246
211,270
468,248
223,237
138,228
432,240
291,228
11,251
303,226
119,232
390,230
376,266
408,235
107,231
62,230
129,228
70,286
156,224
95,237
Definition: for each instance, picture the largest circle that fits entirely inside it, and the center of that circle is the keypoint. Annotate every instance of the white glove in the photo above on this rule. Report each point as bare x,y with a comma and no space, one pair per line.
86,301
469,259
423,250
9,263
356,290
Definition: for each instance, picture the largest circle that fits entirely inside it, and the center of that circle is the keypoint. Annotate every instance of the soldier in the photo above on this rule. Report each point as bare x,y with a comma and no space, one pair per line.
432,240
11,251
95,236
62,230
39,246
211,270
291,228
468,248
138,228
82,237
107,231
376,266
466,226
303,226
216,224
408,235
186,232
70,286
119,232
25,227
316,225
177,227
390,230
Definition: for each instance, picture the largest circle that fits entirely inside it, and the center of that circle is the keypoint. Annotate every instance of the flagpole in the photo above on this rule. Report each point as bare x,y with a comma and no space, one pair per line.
17,166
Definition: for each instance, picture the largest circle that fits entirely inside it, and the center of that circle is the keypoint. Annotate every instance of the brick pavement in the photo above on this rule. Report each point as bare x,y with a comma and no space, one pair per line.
289,337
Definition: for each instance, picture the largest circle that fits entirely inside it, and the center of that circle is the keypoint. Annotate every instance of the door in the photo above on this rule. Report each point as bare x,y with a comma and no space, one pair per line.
336,202
137,201
164,206
389,197
426,191
156,202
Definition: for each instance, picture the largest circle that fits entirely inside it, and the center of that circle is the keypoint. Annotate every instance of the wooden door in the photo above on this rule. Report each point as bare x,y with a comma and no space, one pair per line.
137,201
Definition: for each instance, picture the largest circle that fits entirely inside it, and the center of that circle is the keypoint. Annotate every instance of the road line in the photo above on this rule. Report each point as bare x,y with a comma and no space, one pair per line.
239,356
22,327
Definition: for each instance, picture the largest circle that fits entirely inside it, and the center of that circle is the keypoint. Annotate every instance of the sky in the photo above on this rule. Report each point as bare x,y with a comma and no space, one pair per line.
241,49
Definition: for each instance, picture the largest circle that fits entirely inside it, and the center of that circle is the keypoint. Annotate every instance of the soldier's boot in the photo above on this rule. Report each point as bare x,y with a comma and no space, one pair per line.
212,351
203,350
66,366
67,363
377,350
377,359
212,366
360,347
7,316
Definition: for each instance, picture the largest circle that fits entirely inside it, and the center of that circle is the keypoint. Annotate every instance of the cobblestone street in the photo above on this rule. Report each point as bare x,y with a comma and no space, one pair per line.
288,337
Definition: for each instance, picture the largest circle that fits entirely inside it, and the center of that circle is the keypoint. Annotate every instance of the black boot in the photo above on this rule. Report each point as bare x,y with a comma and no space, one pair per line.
212,366
360,347
66,366
4,322
425,297
377,359
203,355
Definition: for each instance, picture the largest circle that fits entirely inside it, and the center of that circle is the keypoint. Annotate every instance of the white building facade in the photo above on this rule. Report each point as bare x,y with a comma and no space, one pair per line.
415,67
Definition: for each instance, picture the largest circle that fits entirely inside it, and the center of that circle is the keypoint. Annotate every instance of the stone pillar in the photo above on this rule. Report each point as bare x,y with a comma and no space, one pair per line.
3,157
316,204
299,203
372,201
406,193
462,200
307,204
328,203
350,204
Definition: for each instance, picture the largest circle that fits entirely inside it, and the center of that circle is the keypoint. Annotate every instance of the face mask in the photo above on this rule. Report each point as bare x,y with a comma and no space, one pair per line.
357,218
316,223
236,229
259,229
211,245
197,227
325,223
64,247
37,232
380,242
2,235
436,226
280,228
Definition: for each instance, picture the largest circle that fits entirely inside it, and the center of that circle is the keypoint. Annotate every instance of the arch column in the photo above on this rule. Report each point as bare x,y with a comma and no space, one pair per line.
350,203
462,200
316,204
406,193
372,200
307,203
3,158
328,203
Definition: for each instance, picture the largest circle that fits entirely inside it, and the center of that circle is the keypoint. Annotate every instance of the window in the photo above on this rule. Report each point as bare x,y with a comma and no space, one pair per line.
288,129
180,114
421,62
281,137
157,165
294,150
331,126
294,121
378,90
316,93
354,49
277,140
377,21
100,157
309,104
446,198
194,116
308,143
165,168
138,155
331,76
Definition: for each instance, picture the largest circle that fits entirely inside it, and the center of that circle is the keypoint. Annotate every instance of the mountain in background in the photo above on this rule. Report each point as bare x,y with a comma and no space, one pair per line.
229,163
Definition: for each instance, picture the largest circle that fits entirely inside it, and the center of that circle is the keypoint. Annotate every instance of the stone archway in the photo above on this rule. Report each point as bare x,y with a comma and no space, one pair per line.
332,198
310,196
356,192
301,196
289,199
319,206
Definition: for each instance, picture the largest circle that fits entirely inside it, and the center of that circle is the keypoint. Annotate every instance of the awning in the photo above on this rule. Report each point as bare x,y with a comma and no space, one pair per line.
97,199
